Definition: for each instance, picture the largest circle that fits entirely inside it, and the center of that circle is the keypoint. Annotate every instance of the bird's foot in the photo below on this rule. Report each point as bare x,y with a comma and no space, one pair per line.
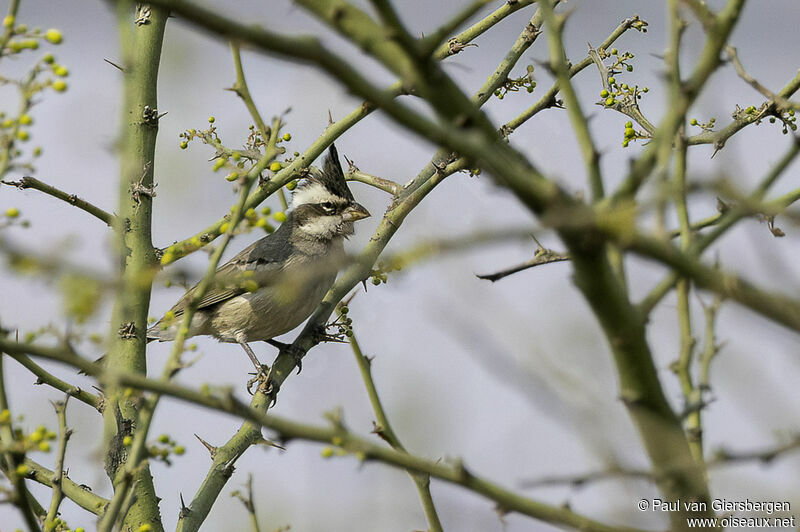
296,353
266,384
320,333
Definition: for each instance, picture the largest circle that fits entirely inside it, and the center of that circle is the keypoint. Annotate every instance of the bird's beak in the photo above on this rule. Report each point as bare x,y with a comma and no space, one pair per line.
354,212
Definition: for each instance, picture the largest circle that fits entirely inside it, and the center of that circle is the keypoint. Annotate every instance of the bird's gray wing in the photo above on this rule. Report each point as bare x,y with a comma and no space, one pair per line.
260,263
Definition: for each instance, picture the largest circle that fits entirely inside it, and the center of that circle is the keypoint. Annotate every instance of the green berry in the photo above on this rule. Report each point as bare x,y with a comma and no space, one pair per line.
25,120
53,36
604,93
611,80
184,145
279,216
275,166
180,449
23,135
59,85
693,121
287,136
628,124
49,58
326,452
12,212
211,119
60,71
610,101
163,438
629,68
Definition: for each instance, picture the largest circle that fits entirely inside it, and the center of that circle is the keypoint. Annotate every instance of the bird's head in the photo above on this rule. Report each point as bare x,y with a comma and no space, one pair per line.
322,203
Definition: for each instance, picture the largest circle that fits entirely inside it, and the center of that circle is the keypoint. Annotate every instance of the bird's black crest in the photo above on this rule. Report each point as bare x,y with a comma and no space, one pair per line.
332,176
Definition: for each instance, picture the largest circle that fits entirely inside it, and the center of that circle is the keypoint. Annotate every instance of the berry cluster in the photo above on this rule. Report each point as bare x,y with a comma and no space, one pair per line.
525,82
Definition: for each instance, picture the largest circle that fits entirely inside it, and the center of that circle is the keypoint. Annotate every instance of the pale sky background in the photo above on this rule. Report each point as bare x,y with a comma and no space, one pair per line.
514,377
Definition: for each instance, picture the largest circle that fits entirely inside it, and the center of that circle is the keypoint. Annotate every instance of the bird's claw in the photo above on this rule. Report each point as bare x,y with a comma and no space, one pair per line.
320,334
296,353
263,377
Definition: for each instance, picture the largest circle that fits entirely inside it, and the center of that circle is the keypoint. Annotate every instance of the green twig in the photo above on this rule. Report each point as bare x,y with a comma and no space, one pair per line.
384,429
10,462
44,377
64,434
72,199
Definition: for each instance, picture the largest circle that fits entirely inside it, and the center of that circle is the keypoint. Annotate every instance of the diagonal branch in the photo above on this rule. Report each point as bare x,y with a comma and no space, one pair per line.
72,199
384,429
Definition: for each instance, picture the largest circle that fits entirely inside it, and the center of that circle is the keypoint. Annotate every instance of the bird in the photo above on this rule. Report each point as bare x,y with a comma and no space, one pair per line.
274,285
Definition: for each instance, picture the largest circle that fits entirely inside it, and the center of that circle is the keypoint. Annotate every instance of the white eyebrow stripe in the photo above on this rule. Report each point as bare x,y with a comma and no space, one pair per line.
311,194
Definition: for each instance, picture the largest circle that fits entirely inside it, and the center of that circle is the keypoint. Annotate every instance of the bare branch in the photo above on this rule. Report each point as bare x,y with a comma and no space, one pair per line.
72,199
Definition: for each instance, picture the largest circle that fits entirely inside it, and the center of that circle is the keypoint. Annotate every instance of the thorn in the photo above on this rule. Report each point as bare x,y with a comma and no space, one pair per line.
211,449
351,165
184,509
330,118
114,65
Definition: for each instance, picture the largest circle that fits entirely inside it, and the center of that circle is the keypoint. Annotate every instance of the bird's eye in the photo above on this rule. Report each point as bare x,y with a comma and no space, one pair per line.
327,206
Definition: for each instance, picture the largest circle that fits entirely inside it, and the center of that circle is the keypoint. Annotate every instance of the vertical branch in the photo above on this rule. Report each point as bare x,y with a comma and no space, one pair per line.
141,41
710,348
64,434
12,463
558,62
683,368
249,503
385,431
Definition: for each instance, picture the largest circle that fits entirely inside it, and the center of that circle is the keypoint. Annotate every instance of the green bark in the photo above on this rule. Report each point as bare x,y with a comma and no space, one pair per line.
141,40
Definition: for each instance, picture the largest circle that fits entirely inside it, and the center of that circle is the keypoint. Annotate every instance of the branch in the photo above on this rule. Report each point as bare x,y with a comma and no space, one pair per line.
384,429
43,377
706,64
64,434
558,62
334,434
430,43
141,32
79,494
72,199
777,307
726,220
720,458
541,256
387,185
12,463
249,503
782,103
